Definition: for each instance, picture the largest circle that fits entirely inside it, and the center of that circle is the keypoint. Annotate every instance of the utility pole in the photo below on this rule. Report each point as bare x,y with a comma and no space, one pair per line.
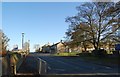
22,39
28,46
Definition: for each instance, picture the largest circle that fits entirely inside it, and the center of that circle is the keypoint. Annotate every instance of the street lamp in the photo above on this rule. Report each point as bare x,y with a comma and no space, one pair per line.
22,39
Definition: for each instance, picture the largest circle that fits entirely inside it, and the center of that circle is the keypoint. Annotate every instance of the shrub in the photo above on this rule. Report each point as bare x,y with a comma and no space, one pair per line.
99,53
84,54
116,53
3,53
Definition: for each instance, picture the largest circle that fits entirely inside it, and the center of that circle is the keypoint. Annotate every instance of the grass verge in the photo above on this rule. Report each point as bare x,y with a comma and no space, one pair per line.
66,54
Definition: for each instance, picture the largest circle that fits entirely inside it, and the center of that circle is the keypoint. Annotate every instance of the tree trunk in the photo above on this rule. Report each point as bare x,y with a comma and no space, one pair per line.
84,45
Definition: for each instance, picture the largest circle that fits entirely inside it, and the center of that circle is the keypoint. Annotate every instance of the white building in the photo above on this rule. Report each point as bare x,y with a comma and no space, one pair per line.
26,47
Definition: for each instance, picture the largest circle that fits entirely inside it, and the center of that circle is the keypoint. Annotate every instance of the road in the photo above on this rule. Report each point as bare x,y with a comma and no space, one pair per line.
75,65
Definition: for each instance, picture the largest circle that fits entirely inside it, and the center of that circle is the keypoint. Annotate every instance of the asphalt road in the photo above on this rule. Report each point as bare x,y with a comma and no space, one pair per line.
66,65
75,65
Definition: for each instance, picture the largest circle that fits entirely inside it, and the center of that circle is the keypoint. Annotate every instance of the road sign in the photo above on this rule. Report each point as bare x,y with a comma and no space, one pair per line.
117,47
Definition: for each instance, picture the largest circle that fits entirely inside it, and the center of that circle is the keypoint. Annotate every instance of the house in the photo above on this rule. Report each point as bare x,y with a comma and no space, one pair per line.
46,48
55,48
58,47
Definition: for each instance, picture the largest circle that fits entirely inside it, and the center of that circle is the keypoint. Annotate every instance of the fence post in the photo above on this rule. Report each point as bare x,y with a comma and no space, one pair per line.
40,65
13,69
45,67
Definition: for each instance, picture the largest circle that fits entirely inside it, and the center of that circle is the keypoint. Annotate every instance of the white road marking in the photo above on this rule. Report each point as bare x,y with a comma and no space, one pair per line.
49,67
108,67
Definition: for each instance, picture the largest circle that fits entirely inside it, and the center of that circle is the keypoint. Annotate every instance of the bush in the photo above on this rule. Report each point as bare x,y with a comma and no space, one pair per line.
84,54
99,53
116,53
3,53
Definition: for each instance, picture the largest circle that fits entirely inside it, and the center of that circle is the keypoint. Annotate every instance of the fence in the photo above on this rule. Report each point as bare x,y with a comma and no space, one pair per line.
42,66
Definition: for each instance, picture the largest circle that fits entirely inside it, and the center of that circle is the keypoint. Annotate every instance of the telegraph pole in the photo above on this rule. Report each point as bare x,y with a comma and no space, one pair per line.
28,46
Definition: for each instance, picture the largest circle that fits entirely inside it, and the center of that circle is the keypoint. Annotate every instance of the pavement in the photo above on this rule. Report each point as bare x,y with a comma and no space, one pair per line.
28,66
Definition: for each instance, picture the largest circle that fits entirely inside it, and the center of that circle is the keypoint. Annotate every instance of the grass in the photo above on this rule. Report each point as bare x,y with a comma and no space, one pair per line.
66,54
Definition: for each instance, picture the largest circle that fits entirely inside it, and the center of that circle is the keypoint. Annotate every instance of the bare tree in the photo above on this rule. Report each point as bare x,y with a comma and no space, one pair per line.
37,47
4,41
97,22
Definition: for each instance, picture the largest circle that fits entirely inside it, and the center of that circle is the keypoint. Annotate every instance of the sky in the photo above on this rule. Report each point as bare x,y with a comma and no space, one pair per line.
58,0
0,15
42,22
